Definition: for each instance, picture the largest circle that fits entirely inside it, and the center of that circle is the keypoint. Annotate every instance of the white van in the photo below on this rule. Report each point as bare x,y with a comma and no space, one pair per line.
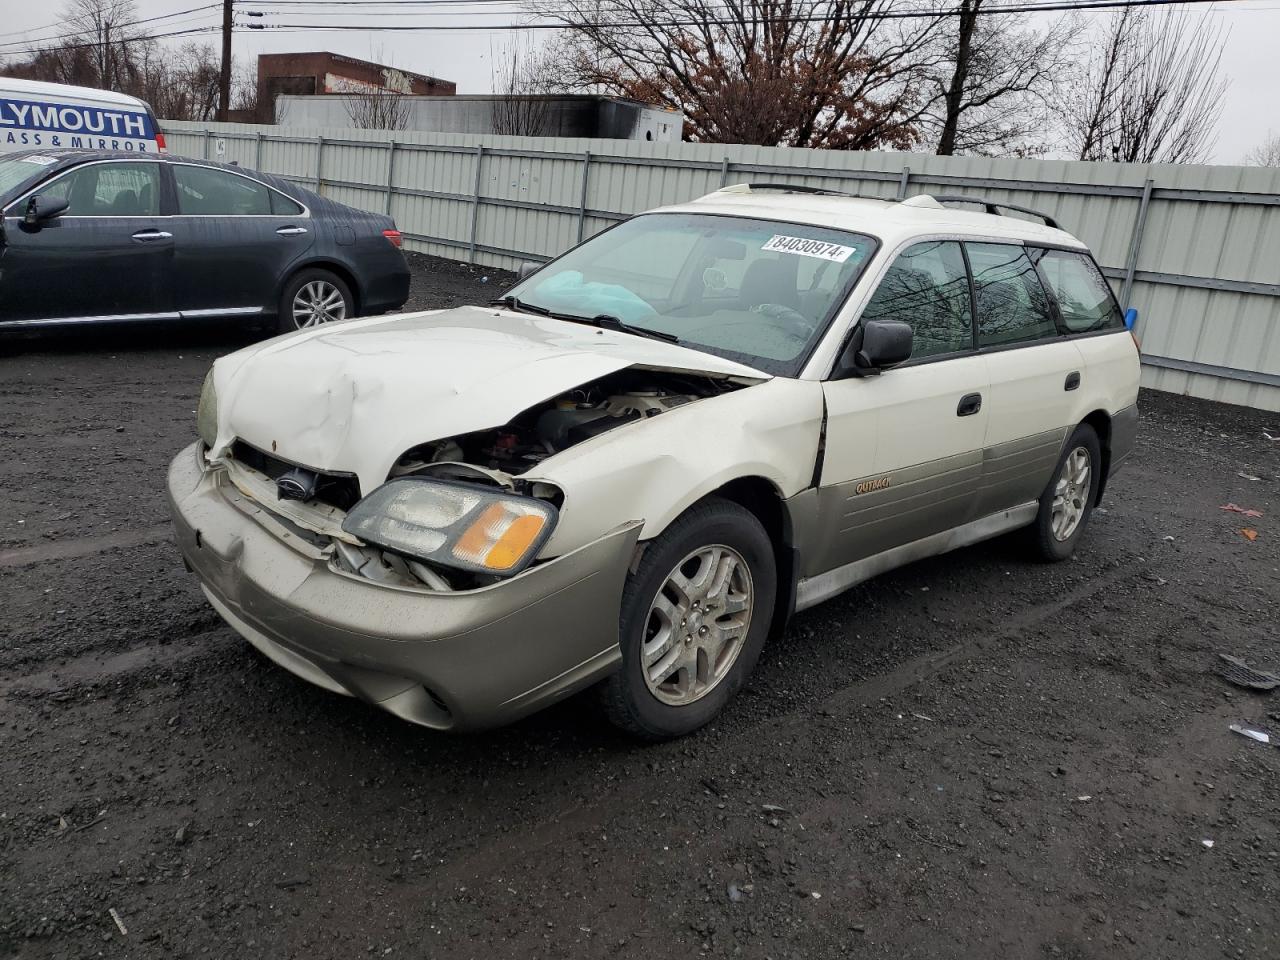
57,116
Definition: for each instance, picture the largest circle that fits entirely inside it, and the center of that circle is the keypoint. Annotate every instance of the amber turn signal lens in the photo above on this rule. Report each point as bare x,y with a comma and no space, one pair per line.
500,537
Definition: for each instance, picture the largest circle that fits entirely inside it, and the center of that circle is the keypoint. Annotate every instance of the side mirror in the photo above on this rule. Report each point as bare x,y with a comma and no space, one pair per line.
1131,318
40,209
528,268
876,345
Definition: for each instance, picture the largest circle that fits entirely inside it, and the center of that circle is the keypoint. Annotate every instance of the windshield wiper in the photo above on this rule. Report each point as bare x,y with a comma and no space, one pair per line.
603,320
515,303
609,322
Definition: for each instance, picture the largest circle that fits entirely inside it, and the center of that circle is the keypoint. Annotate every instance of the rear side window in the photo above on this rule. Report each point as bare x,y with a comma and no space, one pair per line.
1011,302
204,192
1083,296
109,190
928,288
282,206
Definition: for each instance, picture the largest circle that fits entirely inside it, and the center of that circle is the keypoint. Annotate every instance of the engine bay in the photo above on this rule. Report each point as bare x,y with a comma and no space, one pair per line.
598,407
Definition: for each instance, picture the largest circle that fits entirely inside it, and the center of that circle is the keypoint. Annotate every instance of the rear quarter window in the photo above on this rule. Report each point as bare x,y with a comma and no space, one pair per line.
282,206
1084,298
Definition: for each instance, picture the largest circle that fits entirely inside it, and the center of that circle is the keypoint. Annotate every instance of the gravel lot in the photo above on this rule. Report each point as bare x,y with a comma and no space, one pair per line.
976,756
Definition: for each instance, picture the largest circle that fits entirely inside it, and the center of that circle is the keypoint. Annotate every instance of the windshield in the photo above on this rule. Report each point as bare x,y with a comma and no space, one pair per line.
756,291
16,170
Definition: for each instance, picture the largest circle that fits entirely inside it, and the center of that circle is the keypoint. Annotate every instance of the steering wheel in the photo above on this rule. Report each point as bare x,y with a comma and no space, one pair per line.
791,321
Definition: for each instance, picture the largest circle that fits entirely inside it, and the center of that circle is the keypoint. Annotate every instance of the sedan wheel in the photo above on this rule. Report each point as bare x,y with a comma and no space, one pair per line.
697,625
312,297
319,301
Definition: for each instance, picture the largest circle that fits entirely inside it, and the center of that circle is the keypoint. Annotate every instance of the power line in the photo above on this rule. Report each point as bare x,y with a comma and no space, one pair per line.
115,26
98,43
375,3
1050,7
1012,8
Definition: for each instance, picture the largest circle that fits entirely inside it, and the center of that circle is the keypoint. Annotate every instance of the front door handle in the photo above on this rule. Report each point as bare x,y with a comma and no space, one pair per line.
969,404
1073,380
148,235
291,231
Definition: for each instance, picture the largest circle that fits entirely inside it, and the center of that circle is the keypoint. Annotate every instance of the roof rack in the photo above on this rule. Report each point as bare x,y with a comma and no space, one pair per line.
786,188
994,208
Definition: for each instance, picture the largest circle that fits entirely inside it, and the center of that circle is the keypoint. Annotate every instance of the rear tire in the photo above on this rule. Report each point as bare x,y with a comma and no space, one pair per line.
1068,500
312,297
694,617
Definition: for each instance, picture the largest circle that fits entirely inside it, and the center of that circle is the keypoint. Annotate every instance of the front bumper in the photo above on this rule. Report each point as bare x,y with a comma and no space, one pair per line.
451,661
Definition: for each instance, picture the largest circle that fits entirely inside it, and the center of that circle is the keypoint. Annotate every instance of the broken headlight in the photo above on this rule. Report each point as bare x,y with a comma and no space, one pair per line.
207,411
458,525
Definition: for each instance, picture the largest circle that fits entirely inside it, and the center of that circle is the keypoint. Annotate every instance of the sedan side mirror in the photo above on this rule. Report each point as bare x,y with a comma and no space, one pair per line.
528,269
876,345
40,209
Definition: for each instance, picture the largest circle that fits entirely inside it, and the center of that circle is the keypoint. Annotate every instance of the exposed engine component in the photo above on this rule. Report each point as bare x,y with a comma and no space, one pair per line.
543,431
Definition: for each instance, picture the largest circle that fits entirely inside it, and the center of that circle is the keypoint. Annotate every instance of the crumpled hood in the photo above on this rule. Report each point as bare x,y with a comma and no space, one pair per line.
353,397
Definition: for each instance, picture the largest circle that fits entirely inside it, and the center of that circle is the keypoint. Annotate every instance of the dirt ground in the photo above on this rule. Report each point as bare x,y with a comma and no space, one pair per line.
976,756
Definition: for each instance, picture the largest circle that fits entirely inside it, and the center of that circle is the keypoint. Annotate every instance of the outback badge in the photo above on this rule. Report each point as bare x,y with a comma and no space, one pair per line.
867,486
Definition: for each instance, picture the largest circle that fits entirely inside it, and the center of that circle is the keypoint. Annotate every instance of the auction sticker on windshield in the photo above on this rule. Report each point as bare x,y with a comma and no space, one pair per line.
808,248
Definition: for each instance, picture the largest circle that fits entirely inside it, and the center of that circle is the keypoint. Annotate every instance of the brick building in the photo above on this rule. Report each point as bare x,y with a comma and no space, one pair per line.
322,72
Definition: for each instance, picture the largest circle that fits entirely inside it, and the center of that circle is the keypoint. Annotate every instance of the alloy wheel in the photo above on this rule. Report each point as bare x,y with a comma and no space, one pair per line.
318,301
1071,494
697,625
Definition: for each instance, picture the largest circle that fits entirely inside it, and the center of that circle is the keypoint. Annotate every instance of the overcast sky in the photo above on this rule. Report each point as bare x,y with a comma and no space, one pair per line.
1250,60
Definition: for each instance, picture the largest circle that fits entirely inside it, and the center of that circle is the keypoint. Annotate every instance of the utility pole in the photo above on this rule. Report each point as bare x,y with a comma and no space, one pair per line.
105,79
224,78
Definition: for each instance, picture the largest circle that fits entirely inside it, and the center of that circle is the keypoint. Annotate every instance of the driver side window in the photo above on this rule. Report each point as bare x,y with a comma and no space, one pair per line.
927,287
129,189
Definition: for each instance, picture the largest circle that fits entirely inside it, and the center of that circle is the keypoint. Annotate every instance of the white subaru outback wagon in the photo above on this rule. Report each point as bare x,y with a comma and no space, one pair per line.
634,467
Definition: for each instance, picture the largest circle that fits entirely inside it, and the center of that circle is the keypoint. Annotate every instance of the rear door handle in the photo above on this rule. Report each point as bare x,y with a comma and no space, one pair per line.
147,235
969,404
291,231
1073,380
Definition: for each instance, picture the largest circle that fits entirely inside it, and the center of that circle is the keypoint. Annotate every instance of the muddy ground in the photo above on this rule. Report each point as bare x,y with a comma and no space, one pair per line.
976,756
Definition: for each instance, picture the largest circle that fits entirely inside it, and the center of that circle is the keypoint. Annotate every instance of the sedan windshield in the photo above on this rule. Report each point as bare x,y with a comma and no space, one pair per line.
759,292
16,170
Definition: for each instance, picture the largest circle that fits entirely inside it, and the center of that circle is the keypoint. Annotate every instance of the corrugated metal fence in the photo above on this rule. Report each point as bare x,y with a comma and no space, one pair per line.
1195,248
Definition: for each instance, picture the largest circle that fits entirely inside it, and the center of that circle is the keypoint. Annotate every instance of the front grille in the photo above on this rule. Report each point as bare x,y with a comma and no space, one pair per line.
341,490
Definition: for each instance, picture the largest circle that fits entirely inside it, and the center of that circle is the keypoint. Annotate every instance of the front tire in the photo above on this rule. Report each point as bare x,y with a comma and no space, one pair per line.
313,297
694,617
1068,500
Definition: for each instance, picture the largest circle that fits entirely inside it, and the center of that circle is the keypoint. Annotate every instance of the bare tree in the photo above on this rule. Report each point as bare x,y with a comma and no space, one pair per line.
382,107
1265,154
99,49
1152,91
523,85
810,73
103,27
246,97
102,51
996,80
377,109
181,83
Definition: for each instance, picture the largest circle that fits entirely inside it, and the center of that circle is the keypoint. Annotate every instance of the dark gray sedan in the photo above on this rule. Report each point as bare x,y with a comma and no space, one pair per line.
101,236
